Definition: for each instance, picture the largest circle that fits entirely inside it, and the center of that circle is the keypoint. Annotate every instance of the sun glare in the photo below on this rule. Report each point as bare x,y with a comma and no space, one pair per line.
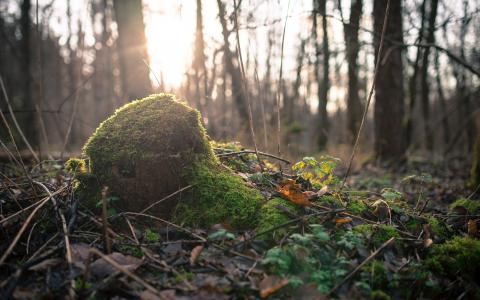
169,40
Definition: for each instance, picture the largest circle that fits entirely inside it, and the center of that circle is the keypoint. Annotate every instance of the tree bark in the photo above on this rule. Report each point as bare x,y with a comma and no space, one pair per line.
390,143
413,84
425,83
323,83
354,107
28,103
132,46
238,92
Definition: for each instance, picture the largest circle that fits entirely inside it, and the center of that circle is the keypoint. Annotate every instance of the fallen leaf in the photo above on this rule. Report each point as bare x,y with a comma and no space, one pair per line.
195,254
46,264
322,191
427,235
271,284
382,211
472,228
308,292
101,268
293,192
80,254
341,221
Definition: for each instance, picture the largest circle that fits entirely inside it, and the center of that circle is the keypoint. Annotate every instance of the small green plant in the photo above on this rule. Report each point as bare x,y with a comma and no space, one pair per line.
319,173
312,258
79,284
151,236
391,194
221,234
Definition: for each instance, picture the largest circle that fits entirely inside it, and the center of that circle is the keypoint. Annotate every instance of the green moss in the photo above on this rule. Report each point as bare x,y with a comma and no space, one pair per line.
156,127
379,295
378,274
75,166
331,200
413,224
357,207
152,147
378,234
472,206
439,229
460,255
271,216
218,196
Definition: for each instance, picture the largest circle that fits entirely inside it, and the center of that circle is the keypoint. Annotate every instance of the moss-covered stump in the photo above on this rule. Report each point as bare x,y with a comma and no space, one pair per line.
155,146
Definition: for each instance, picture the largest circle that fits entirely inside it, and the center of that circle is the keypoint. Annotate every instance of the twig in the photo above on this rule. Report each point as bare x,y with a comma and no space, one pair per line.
25,225
106,239
280,80
354,271
168,223
68,249
166,198
77,94
19,129
245,87
126,272
253,152
372,88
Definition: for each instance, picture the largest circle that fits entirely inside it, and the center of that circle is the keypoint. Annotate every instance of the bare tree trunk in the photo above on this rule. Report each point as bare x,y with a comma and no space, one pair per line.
424,75
442,102
233,70
28,102
413,84
354,107
325,82
200,69
389,95
132,45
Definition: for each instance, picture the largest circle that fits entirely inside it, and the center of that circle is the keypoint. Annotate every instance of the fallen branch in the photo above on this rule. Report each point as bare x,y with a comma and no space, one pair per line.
354,271
253,152
126,272
25,225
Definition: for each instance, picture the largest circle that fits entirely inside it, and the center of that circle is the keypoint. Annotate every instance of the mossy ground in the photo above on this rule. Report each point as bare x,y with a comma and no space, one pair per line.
472,206
218,196
457,257
274,213
378,234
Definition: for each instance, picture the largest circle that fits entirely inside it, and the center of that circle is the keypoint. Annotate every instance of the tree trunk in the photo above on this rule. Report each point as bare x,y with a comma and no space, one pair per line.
474,181
389,95
28,103
413,84
425,84
238,92
442,102
132,46
325,83
354,107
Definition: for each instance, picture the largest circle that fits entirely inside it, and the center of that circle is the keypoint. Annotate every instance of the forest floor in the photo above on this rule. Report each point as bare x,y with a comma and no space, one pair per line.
409,234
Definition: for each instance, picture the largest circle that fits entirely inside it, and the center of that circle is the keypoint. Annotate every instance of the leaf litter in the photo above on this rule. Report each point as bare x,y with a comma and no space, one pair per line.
401,235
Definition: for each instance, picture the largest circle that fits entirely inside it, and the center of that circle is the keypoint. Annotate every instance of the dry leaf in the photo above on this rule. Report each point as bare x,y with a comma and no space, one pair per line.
195,254
322,191
271,284
341,221
472,228
427,235
293,192
46,264
382,211
101,268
